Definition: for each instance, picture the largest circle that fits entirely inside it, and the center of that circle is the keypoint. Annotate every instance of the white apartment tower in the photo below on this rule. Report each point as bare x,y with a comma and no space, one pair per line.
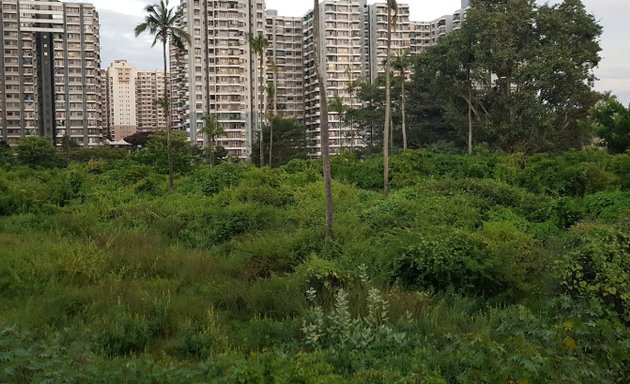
121,100
401,38
49,71
419,36
285,64
219,70
149,89
341,49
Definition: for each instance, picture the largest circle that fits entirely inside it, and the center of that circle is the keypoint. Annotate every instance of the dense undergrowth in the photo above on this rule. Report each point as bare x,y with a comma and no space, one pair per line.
485,269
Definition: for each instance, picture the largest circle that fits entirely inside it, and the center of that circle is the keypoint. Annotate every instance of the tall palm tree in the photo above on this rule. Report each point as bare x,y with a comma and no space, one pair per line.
163,23
392,7
323,103
272,105
402,63
212,130
351,88
259,45
336,105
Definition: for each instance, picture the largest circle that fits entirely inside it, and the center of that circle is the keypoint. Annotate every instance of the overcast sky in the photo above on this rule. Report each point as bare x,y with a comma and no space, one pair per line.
118,17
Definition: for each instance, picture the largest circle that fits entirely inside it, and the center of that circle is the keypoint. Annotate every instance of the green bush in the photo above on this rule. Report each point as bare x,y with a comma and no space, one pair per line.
596,268
212,180
37,152
121,332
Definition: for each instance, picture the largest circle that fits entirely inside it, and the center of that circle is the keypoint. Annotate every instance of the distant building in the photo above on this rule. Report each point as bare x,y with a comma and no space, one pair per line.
218,74
121,100
49,71
149,91
341,63
285,64
400,40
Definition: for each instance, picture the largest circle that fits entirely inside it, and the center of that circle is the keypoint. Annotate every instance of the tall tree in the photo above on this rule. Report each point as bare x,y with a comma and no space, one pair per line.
336,105
520,73
352,89
212,130
402,64
272,105
542,60
163,22
611,121
259,45
289,141
392,15
323,109
271,96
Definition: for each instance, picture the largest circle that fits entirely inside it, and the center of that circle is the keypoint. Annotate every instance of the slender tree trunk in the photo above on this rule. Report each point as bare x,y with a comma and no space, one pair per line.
210,142
391,132
271,132
402,106
352,141
260,114
388,105
340,135
270,144
274,110
167,116
323,102
470,133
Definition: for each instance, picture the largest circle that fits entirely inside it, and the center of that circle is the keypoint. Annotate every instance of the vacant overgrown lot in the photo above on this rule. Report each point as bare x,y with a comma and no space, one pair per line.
485,269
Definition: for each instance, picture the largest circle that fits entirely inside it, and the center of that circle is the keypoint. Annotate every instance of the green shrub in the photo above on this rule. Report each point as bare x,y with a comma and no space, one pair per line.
121,332
596,268
212,180
448,261
37,152
607,206
365,174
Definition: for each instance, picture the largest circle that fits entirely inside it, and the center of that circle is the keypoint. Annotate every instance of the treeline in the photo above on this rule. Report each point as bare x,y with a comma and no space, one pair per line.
517,77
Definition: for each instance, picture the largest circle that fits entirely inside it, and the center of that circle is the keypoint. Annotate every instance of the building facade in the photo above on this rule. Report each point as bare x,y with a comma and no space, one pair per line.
341,63
49,71
149,91
218,75
121,100
400,41
219,71
285,65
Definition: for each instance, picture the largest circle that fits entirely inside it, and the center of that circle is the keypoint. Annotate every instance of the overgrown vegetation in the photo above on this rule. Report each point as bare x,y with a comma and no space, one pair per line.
492,268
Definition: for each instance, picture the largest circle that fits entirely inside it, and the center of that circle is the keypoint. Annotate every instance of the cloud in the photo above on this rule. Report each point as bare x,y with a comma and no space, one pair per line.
118,42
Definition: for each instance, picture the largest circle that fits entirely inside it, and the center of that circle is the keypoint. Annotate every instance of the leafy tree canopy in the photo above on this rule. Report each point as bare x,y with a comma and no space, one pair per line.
530,68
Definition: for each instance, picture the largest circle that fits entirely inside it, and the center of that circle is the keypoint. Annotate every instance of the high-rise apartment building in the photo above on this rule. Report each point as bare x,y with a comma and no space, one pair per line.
219,70
419,36
131,100
218,75
400,38
121,100
341,63
285,64
441,27
49,71
149,90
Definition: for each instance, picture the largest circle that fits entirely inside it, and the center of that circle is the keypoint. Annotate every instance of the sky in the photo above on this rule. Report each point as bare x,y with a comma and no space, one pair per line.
118,18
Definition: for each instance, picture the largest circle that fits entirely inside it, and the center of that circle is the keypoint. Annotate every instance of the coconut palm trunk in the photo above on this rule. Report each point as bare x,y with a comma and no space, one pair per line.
402,109
391,5
261,122
323,102
167,102
470,133
163,22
